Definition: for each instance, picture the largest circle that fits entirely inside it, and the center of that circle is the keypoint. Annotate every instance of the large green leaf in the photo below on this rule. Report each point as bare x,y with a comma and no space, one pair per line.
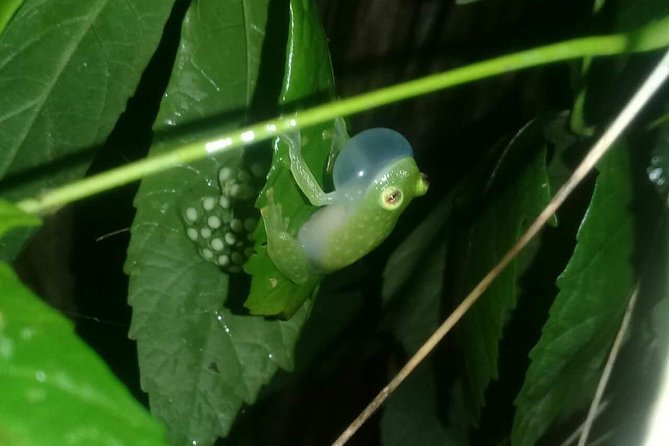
517,192
308,79
55,390
594,288
200,360
192,351
67,69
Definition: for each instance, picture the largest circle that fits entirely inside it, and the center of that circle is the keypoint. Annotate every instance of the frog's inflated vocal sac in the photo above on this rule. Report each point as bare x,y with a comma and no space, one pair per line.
375,178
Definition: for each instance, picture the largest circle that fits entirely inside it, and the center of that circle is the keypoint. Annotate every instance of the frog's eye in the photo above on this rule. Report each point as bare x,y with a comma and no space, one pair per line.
391,198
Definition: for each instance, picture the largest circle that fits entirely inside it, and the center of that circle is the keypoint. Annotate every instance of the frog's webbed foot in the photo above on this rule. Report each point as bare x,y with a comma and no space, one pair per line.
272,215
284,250
294,142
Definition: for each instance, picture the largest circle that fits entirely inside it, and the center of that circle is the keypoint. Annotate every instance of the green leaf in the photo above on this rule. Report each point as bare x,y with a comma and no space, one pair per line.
12,217
67,69
55,390
200,359
308,79
594,289
7,10
517,192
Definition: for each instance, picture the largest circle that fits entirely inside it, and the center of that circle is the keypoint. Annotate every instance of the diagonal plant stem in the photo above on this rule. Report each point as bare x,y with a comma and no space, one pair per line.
650,37
640,98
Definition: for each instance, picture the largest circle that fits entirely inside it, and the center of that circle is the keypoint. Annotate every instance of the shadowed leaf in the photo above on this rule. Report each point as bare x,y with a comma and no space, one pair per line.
594,289
200,358
517,192
67,69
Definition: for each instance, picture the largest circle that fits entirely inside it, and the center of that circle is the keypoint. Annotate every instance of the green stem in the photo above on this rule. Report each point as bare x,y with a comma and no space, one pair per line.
653,36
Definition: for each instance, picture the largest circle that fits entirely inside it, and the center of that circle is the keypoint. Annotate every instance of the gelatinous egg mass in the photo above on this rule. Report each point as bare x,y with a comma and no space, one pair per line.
221,227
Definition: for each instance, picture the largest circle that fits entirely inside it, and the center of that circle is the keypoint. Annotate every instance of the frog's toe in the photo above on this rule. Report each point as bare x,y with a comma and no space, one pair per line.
273,218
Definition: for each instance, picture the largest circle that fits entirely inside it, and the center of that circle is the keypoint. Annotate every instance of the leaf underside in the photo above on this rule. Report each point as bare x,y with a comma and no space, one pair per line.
201,357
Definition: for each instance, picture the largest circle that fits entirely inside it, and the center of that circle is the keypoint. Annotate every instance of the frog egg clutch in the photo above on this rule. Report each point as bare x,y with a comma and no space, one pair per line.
221,227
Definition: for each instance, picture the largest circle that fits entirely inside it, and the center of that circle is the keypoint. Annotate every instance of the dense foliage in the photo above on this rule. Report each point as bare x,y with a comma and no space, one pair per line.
89,86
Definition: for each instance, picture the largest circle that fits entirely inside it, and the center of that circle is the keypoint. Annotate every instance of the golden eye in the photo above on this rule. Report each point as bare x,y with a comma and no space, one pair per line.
391,198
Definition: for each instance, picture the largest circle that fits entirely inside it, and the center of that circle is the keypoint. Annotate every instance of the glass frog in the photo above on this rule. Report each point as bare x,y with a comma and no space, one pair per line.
375,178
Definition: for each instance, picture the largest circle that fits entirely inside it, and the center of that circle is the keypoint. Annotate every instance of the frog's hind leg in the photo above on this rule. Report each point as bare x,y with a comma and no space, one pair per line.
284,250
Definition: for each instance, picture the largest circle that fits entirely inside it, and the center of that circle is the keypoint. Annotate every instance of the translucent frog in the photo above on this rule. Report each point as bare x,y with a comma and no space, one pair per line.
375,178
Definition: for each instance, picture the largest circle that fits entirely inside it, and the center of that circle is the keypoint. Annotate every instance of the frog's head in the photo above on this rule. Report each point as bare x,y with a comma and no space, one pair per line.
399,184
378,164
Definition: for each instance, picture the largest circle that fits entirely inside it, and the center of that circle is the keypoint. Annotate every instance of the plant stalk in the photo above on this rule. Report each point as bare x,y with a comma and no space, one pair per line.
650,37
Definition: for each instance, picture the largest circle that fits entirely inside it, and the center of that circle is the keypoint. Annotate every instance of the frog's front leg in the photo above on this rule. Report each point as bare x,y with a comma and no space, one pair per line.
302,174
284,250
